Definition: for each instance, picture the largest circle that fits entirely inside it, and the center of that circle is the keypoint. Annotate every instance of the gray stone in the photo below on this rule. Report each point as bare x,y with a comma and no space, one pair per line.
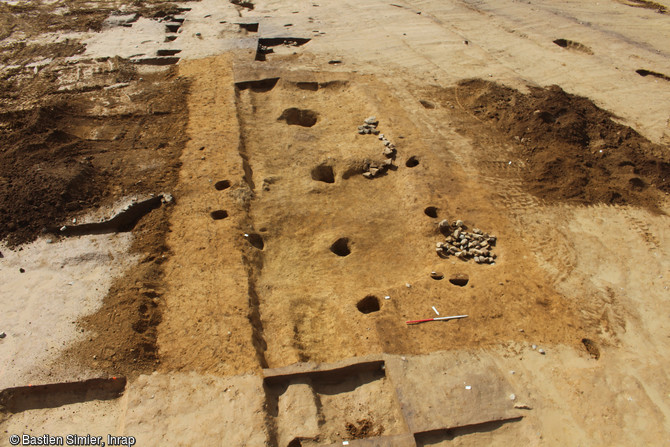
2,335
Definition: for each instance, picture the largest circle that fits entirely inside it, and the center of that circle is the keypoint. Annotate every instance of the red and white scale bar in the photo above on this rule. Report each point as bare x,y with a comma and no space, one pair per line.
454,317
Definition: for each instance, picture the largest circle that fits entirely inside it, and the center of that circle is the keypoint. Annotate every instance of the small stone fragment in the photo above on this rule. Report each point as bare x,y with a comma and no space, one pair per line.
2,335
367,175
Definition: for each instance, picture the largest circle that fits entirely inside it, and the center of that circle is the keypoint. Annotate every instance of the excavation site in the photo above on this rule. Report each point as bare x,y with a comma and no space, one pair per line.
303,223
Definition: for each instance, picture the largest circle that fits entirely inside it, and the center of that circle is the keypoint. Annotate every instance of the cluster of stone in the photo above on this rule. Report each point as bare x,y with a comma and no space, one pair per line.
389,148
369,126
475,245
375,169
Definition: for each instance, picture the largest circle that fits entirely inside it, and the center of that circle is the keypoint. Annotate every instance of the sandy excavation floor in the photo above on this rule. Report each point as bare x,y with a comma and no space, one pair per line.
199,247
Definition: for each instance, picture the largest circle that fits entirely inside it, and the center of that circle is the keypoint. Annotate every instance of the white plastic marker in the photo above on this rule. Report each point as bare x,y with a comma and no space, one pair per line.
436,319
438,314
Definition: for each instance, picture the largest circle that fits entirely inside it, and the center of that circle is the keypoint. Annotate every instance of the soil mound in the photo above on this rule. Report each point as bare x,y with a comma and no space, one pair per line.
43,176
574,151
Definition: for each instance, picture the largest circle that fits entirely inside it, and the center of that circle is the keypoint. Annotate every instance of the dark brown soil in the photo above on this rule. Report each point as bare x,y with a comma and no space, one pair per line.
20,53
573,150
363,428
646,4
48,175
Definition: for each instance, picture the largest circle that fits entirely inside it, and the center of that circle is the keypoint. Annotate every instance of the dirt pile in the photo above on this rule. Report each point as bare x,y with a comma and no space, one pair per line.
573,150
61,155
43,175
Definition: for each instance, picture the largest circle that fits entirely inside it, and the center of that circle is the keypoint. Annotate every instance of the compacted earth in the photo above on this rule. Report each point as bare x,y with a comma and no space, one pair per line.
221,220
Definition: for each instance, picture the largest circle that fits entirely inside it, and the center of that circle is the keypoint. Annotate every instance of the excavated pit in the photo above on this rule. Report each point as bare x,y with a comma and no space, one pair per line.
341,247
222,185
219,214
412,161
644,73
323,173
258,86
31,397
460,280
431,211
299,117
256,240
368,305
123,222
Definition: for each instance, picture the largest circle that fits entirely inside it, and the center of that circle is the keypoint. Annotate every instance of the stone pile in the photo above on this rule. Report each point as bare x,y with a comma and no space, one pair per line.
464,245
375,169
389,148
369,126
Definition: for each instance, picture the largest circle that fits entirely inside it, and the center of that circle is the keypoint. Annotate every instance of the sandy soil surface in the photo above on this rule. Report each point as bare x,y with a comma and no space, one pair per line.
202,246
